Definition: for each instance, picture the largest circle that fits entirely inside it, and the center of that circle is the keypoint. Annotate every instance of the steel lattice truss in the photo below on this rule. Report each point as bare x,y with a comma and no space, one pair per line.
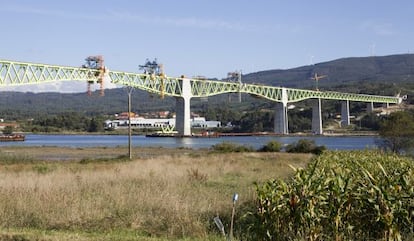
151,83
295,95
19,73
204,88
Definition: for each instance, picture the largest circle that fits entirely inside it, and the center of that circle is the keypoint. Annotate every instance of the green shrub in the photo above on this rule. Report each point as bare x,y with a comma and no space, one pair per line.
305,146
271,146
318,150
8,130
225,147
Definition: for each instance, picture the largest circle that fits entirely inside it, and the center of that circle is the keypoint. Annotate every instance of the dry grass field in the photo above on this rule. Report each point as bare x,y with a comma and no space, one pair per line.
53,193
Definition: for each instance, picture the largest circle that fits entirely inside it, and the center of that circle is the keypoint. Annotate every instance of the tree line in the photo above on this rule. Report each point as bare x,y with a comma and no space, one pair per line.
69,121
260,119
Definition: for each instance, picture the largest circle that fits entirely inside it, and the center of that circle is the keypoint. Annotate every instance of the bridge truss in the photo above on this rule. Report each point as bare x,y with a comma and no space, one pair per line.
14,73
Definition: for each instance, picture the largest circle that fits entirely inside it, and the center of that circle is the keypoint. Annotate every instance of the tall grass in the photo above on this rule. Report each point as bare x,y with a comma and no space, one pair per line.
13,157
167,196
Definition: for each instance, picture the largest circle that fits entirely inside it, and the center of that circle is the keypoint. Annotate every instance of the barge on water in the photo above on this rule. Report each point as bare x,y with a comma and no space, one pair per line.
13,137
176,134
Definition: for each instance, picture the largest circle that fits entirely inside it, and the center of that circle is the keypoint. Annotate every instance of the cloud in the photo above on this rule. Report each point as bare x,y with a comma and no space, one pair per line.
186,22
23,9
383,29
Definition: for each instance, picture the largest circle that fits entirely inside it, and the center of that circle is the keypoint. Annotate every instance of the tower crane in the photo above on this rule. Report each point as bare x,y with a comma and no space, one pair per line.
317,77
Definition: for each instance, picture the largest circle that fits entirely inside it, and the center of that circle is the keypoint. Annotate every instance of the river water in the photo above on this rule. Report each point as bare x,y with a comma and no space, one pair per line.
332,143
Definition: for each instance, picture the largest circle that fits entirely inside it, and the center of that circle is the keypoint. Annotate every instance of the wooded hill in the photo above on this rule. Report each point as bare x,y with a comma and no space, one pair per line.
385,75
375,69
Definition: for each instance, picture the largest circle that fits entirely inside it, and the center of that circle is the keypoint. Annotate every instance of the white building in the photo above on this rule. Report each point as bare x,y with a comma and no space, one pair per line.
140,122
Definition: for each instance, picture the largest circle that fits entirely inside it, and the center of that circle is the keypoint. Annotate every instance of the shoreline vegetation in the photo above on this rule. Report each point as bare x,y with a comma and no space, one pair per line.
97,193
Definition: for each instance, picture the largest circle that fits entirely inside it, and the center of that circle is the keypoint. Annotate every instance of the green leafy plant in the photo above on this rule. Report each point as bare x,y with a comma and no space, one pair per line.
364,195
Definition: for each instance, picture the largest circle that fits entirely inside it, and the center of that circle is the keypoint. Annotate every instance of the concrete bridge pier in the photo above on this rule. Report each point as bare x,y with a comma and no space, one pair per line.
281,119
317,117
370,107
182,105
345,121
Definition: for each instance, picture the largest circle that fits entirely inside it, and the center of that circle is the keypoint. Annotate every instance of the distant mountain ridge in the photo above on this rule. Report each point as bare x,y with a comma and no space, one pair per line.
392,68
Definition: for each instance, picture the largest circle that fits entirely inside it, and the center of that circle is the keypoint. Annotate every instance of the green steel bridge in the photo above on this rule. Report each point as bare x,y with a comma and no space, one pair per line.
13,73
20,73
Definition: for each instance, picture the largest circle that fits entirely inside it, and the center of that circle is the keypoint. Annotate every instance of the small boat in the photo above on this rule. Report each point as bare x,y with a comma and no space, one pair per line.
12,137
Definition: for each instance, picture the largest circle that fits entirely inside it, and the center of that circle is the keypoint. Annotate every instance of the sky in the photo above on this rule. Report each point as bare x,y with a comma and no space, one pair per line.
203,37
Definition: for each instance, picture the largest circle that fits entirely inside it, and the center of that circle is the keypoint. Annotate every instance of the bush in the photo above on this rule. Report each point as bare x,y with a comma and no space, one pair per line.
8,130
271,146
397,132
231,147
305,146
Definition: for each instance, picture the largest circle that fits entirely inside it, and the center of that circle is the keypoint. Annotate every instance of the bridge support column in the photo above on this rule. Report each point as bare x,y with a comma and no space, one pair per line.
317,117
370,107
281,119
345,113
182,105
